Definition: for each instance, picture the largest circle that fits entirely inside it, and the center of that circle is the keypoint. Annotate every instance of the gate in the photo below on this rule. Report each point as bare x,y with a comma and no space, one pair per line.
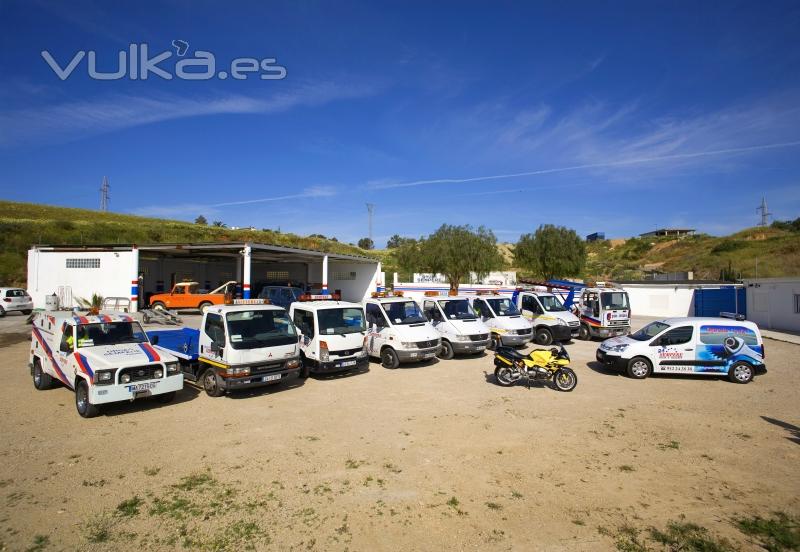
711,302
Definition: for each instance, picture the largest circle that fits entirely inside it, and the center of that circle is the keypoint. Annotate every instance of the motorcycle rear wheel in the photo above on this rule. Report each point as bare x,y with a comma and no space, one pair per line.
502,374
565,379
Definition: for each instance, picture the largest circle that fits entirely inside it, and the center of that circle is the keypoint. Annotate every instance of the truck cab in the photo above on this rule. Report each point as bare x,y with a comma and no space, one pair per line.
458,325
398,331
104,358
506,324
603,312
186,295
332,334
550,319
241,345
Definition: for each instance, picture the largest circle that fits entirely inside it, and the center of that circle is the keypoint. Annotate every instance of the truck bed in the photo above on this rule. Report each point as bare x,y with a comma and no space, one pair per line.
183,343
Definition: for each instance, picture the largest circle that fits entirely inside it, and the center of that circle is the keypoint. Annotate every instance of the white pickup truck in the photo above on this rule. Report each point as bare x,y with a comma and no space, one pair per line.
104,358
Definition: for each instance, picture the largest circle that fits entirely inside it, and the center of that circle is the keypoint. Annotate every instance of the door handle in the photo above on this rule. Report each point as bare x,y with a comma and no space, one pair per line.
688,349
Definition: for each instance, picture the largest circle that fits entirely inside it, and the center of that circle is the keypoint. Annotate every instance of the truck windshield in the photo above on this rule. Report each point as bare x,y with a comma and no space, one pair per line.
253,329
403,312
503,307
112,333
649,331
614,300
341,321
457,309
551,303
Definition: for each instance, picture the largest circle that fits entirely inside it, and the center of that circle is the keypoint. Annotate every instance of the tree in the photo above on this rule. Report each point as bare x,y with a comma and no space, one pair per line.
201,220
395,242
454,251
366,243
551,252
219,224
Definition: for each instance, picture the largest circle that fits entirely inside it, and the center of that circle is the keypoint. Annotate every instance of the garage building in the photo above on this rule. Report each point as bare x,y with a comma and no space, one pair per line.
134,272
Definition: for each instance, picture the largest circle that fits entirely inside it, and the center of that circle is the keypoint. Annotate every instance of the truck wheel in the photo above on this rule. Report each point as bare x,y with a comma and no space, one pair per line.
305,368
85,408
446,352
389,358
211,383
158,305
166,398
741,372
27,312
204,305
543,336
638,368
41,381
2,312
584,333
495,343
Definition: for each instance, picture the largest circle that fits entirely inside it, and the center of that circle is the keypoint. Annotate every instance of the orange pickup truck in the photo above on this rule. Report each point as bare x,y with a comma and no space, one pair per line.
184,296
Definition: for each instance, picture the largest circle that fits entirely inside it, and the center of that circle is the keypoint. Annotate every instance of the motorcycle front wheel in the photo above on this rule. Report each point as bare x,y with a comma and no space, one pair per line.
565,379
504,376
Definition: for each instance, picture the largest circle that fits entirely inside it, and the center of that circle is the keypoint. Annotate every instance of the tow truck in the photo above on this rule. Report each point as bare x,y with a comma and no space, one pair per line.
506,324
245,343
458,324
550,319
104,358
398,331
185,295
332,334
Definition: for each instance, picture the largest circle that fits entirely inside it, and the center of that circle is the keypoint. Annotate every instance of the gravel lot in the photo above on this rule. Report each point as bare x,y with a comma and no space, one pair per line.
426,457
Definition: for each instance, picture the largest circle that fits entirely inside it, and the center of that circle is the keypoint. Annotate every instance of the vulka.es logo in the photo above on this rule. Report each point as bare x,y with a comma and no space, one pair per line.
135,63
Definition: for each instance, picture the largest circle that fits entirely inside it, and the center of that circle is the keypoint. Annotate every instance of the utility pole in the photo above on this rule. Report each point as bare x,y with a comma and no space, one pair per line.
104,197
765,214
371,211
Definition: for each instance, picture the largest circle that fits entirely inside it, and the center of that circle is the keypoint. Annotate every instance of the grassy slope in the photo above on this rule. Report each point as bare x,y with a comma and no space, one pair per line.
24,224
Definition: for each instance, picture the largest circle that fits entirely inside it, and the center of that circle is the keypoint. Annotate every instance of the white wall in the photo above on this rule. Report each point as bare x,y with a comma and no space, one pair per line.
661,300
47,271
770,303
357,290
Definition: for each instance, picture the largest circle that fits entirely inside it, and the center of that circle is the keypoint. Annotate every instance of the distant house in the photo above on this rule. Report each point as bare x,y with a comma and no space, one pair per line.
597,236
674,232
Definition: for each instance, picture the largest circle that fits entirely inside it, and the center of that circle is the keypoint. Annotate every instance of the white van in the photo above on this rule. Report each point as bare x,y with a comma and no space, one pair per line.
398,331
331,334
550,319
457,323
506,324
695,346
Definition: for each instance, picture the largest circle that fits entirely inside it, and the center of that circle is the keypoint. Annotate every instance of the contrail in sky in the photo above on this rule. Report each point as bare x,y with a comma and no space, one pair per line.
588,166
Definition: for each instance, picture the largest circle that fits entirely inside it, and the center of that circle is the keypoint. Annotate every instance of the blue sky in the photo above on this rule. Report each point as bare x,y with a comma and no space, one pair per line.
616,117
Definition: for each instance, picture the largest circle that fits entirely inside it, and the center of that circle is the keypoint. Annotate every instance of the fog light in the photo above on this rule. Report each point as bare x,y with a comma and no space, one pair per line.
125,378
158,373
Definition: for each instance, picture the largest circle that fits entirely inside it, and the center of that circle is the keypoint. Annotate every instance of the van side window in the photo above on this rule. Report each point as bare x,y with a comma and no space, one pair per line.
304,320
428,309
215,328
66,340
480,308
676,336
530,303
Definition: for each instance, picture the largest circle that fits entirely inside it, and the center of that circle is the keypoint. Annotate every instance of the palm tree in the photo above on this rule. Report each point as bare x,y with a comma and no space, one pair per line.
93,305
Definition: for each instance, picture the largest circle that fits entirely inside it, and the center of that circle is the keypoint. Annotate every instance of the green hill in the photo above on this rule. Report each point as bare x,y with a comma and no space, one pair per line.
26,224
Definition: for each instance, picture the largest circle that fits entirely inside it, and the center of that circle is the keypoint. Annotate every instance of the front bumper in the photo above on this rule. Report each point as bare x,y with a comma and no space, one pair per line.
102,394
611,360
470,347
417,355
513,340
17,307
560,333
341,365
259,380
606,332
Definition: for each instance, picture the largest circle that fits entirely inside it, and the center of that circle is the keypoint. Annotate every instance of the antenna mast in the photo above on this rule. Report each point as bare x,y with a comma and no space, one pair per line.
765,214
371,211
104,197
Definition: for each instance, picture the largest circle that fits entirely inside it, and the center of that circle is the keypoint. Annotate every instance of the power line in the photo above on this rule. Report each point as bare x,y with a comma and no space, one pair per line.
371,211
765,214
104,196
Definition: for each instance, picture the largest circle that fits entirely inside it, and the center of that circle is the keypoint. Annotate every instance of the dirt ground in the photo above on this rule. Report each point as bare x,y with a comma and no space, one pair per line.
426,457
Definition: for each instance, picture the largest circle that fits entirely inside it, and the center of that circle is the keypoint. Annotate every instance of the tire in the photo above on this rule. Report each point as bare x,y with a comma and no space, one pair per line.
495,342
2,312
446,352
584,334
543,336
389,358
565,379
305,368
41,380
502,375
639,368
204,305
211,383
741,372
27,312
166,398
158,305
82,404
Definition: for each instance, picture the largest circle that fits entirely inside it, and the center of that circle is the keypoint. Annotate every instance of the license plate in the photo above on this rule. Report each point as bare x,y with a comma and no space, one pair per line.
429,355
272,377
141,388
349,363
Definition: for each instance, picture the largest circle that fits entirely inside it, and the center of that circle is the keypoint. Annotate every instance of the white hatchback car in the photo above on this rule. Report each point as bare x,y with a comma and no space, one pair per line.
15,299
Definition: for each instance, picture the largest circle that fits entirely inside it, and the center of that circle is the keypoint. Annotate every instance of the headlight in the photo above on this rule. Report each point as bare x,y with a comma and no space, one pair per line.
408,344
104,377
617,348
239,371
561,322
173,368
324,355
125,378
293,364
159,373
462,338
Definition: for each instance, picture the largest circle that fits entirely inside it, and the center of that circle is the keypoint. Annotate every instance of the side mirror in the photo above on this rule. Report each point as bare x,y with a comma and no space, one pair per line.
215,348
154,340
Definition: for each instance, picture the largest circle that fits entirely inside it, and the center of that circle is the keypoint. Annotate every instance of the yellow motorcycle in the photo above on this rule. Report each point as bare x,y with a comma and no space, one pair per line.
539,364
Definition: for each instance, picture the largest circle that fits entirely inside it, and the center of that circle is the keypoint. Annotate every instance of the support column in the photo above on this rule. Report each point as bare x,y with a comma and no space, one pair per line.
246,282
135,291
378,279
325,275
